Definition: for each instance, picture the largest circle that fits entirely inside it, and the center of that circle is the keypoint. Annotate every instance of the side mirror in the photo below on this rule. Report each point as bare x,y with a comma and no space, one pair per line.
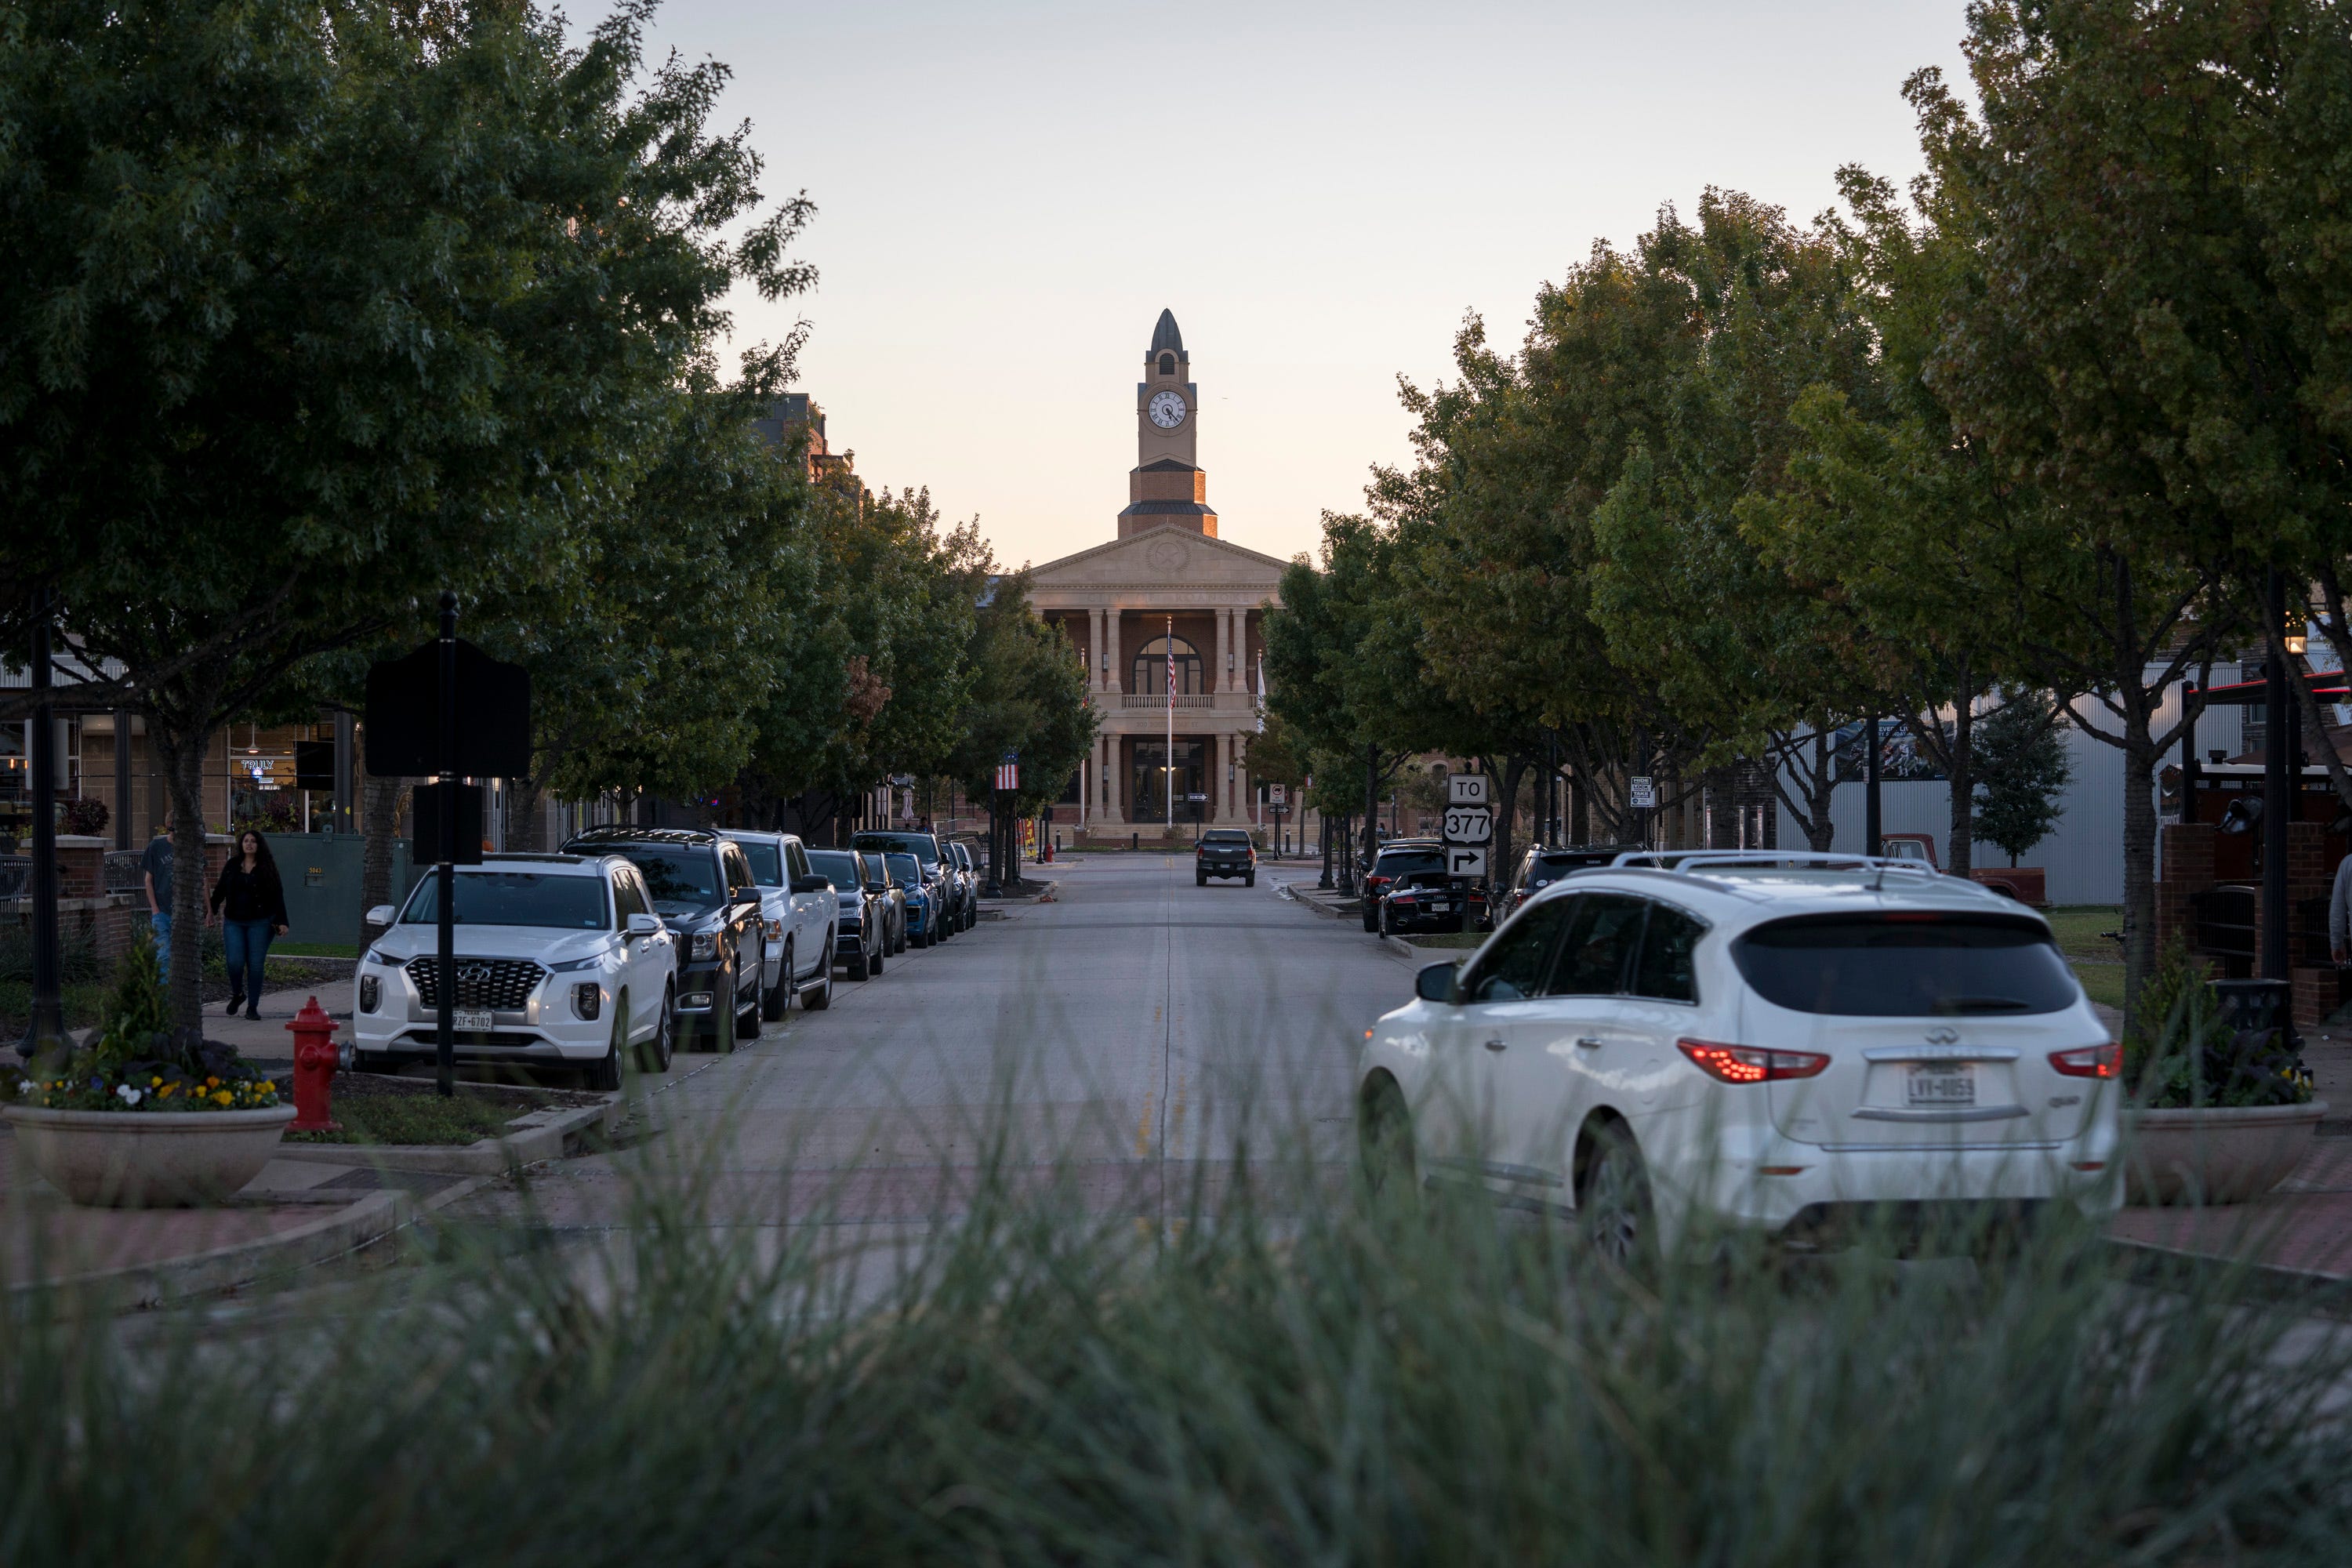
747,894
381,915
645,925
1434,983
812,884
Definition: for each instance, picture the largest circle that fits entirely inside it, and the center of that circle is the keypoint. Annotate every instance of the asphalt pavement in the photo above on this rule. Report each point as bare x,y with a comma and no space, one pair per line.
1133,1037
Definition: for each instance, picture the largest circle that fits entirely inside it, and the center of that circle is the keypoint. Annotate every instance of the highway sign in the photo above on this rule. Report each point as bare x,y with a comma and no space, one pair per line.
1467,789
1465,861
1468,825
1644,796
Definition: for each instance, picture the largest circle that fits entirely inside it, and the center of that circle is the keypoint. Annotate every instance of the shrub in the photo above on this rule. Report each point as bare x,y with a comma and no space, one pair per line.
85,817
2185,1053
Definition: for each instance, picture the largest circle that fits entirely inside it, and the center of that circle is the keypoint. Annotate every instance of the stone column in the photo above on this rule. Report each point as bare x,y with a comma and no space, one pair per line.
1117,680
1095,671
1220,792
1113,780
1223,681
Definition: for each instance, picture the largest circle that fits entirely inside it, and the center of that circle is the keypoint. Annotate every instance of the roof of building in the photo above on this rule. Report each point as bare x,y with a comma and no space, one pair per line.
1165,337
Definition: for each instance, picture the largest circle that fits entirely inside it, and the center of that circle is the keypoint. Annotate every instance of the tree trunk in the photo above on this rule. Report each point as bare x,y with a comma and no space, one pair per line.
183,757
525,823
1371,804
1498,869
1580,810
381,806
1962,770
2140,761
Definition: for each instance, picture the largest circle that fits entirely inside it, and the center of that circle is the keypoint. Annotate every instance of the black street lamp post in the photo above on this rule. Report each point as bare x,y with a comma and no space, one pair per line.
45,1036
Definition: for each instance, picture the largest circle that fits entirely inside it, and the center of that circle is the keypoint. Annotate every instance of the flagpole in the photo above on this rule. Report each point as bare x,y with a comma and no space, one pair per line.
1172,721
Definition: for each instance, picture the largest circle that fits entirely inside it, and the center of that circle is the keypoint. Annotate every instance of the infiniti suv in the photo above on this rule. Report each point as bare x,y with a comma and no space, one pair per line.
1784,1043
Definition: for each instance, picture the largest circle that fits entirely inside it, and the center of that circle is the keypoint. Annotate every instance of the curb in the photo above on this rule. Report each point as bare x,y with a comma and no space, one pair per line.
224,1269
2324,1294
1317,905
539,1135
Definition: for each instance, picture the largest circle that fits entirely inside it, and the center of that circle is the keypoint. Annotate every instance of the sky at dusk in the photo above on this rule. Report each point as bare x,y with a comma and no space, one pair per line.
1007,194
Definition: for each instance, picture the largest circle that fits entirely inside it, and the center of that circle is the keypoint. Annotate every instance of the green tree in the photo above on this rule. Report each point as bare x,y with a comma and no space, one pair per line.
1027,696
307,312
2023,768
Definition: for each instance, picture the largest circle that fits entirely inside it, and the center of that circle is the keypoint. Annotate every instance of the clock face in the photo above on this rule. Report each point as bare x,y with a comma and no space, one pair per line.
1167,410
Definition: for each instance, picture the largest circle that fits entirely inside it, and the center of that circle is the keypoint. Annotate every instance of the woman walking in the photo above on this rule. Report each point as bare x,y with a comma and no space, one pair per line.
251,904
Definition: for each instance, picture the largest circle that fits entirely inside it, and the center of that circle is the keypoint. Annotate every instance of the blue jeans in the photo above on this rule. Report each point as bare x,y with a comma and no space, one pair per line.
161,923
248,950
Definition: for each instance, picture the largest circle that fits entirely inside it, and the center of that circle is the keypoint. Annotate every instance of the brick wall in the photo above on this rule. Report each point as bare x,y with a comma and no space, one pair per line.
2189,850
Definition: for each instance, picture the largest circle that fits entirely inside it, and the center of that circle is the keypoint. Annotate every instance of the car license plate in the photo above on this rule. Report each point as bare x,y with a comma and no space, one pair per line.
472,1018
1439,909
1943,1083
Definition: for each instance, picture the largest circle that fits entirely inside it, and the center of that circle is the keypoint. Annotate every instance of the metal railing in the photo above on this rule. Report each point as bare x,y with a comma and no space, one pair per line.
1157,701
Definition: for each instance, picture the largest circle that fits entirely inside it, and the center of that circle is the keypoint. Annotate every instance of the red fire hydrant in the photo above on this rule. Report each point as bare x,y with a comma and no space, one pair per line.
315,1060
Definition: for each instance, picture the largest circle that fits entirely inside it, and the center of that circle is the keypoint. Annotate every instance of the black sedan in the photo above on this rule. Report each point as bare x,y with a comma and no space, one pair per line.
1424,901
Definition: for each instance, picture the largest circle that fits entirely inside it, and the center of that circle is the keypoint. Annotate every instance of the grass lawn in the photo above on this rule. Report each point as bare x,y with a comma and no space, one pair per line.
424,1118
314,948
2098,962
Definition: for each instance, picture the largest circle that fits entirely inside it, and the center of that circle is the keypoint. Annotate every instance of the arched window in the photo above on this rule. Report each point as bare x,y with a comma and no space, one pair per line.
1167,364
1151,669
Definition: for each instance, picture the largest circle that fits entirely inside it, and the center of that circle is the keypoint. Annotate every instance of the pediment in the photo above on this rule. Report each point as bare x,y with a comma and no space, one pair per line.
1161,557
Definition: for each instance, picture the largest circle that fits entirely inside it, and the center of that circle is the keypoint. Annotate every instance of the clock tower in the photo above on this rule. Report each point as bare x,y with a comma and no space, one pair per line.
1166,489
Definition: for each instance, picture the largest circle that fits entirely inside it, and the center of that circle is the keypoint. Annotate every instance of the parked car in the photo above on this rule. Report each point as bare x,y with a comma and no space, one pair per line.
1395,859
1773,1040
958,855
884,885
800,908
702,887
560,959
922,897
930,864
1224,852
1542,865
1424,900
861,925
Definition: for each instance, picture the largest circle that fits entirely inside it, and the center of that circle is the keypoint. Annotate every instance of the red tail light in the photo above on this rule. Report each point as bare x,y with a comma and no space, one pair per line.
1748,1064
2089,1061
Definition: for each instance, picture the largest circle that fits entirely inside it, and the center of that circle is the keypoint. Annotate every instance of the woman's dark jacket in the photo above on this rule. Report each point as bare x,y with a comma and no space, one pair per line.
255,895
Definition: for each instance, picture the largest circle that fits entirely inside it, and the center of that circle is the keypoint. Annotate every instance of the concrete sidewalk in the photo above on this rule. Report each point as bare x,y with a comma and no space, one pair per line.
295,1215
2301,1231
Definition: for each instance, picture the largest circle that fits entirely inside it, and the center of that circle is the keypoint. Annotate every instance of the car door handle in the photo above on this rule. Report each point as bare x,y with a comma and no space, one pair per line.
1496,1046
1589,1042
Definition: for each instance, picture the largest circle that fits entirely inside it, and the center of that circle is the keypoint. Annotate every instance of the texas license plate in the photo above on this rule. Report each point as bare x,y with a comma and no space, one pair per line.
472,1018
1943,1083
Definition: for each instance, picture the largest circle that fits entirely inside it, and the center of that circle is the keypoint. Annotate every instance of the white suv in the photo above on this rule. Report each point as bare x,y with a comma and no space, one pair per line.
1779,1042
559,958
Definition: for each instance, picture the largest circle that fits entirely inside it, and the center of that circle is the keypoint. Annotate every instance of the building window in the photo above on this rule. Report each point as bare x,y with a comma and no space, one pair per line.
1151,669
1167,364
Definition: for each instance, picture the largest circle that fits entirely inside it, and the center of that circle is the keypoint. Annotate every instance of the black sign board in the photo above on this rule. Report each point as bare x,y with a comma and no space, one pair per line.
314,764
424,824
404,715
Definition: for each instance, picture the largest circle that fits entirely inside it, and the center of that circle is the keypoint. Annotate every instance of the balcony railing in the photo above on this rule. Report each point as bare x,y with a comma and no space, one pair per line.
1158,702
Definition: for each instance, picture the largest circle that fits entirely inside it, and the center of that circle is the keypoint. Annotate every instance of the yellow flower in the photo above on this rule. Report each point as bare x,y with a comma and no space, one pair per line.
223,1098
212,1083
267,1087
154,1083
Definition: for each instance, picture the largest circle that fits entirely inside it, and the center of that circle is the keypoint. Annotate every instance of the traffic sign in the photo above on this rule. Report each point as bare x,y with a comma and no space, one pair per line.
1276,794
1467,789
1468,825
1465,861
1644,796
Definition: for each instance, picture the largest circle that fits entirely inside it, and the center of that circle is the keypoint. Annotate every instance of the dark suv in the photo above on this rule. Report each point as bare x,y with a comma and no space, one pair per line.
1542,865
703,889
1224,852
1397,859
925,848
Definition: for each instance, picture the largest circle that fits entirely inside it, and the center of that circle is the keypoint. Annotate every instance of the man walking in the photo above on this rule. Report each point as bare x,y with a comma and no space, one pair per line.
155,864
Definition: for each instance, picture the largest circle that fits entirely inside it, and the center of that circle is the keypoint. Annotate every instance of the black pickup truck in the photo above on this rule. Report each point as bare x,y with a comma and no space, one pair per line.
1224,852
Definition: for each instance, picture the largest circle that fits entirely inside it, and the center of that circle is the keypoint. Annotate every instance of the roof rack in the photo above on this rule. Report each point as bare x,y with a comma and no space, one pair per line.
1688,860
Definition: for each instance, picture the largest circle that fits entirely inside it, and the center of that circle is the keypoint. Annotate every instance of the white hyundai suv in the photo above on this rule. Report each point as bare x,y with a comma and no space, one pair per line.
559,958
1772,1041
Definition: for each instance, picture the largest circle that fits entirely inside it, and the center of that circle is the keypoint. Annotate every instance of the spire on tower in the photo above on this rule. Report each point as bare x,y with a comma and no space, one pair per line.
1165,338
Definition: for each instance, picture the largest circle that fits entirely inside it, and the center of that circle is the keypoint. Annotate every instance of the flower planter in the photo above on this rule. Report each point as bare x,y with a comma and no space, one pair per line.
2220,1155
159,1159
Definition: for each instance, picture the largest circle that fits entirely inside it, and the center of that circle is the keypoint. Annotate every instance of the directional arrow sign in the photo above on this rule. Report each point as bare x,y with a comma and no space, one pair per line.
1465,861
1468,825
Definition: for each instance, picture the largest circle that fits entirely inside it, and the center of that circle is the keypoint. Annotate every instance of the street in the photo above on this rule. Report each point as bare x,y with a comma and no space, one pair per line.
1122,1038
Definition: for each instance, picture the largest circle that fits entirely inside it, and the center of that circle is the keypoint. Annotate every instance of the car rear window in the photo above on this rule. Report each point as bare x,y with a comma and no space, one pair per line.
1902,964
1394,863
767,863
836,865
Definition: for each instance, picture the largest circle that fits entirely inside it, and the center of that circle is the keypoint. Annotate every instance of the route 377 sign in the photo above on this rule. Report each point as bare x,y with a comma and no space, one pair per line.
1469,824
